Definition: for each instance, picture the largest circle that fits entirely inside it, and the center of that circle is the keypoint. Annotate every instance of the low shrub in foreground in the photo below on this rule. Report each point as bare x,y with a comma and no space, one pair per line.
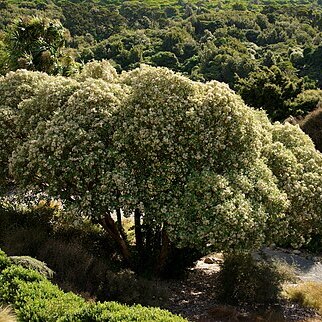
4,261
113,311
34,298
82,258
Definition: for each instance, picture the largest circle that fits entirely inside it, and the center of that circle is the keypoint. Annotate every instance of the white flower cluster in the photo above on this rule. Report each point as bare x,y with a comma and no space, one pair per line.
192,156
297,167
14,88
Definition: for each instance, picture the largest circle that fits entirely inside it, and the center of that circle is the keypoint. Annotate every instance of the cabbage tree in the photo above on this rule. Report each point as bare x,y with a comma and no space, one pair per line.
35,43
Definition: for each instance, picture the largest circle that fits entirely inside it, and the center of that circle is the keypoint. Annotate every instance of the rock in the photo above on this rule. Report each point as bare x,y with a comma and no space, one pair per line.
209,260
33,263
296,252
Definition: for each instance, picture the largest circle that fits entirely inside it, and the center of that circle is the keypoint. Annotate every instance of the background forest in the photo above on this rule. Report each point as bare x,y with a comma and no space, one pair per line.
124,157
268,51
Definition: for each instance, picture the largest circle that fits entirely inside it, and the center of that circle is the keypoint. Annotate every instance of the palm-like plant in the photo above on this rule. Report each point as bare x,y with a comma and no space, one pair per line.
35,44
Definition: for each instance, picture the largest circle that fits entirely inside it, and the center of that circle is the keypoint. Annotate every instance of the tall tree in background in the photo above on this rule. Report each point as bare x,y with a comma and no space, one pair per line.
35,44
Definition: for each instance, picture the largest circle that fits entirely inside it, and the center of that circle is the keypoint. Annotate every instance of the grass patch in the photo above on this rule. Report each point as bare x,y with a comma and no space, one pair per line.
7,315
307,294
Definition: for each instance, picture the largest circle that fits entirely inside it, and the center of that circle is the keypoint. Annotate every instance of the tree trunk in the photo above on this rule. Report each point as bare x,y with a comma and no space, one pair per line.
110,227
138,231
164,252
119,223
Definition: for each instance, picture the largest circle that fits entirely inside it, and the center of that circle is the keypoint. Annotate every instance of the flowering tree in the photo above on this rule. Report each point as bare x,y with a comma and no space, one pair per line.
196,166
14,88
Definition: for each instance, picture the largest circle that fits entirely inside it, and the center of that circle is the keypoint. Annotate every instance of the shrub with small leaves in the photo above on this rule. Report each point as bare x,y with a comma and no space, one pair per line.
4,260
244,280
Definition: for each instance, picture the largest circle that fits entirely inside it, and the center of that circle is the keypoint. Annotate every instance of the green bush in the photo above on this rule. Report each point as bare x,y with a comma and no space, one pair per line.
36,299
113,312
44,301
305,102
243,280
11,279
4,260
34,264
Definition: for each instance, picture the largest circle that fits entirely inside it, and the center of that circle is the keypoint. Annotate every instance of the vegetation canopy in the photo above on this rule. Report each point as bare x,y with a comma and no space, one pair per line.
196,166
267,50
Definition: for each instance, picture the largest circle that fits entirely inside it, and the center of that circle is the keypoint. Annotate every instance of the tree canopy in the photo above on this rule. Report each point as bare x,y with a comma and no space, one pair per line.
35,44
190,157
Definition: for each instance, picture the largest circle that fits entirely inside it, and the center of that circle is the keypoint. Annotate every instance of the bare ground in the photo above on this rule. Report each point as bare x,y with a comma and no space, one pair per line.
195,297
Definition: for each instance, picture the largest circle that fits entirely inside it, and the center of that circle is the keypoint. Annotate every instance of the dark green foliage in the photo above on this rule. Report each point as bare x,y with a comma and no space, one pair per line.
178,41
87,17
3,58
273,90
243,280
311,63
4,260
226,62
226,41
312,126
305,102
35,44
165,59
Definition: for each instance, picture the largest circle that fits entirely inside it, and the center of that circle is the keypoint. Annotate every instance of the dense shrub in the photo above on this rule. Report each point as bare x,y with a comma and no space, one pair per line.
112,311
306,102
34,264
12,277
83,259
14,88
27,228
243,280
297,166
4,260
